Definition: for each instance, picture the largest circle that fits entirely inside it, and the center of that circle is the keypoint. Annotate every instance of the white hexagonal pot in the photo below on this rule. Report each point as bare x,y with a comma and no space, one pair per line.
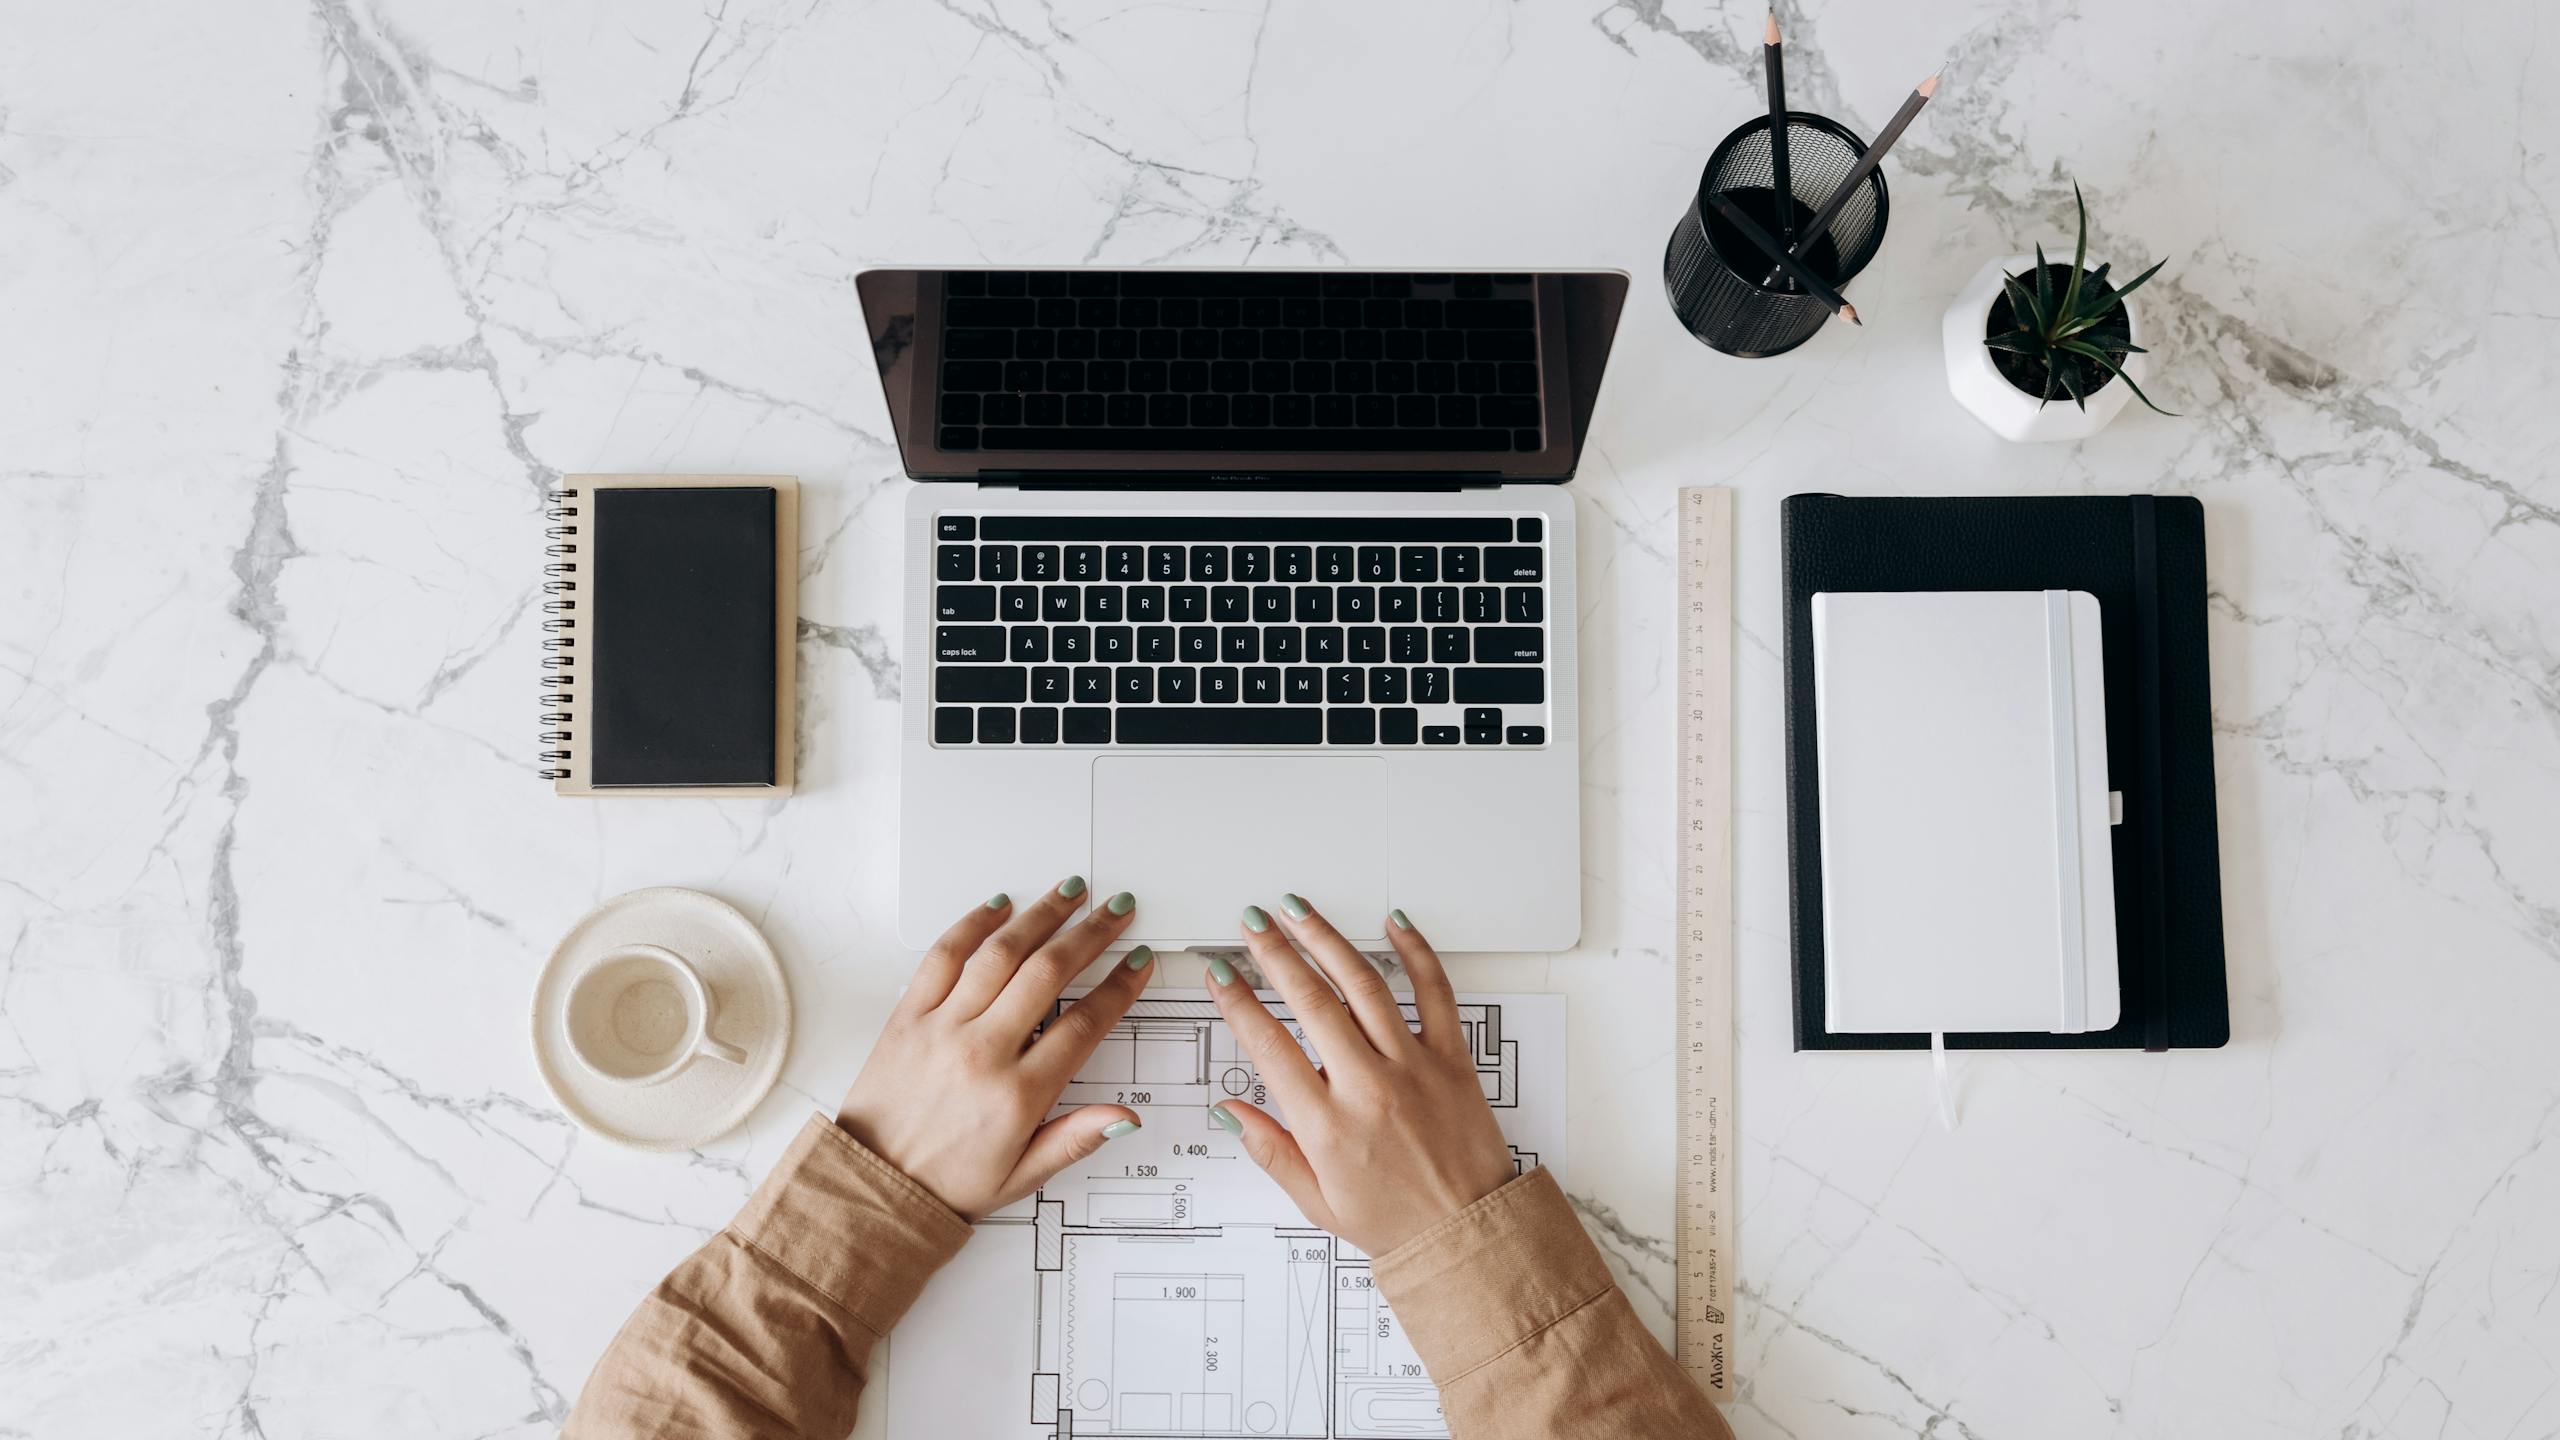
2012,413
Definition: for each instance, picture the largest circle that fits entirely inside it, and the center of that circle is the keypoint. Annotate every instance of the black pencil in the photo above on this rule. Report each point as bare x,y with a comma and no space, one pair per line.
1795,268
1858,173
1774,58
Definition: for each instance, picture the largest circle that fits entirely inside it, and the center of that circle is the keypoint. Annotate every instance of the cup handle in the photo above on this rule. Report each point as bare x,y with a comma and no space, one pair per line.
719,1049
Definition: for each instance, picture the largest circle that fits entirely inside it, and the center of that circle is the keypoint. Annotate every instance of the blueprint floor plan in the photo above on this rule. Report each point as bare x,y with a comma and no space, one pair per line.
1165,1289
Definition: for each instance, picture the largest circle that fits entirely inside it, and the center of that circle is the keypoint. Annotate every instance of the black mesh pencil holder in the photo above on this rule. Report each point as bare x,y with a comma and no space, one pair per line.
1723,287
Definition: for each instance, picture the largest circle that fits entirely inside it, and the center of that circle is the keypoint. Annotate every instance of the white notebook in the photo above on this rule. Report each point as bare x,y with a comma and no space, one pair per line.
1967,883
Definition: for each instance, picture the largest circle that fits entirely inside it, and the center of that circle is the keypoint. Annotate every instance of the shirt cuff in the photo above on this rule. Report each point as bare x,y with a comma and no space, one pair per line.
856,1228
1491,1276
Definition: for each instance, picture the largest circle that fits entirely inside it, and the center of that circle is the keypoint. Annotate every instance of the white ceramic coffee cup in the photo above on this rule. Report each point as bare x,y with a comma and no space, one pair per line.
640,1014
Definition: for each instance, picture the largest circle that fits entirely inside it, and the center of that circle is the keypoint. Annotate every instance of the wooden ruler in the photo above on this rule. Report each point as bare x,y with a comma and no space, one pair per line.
1704,950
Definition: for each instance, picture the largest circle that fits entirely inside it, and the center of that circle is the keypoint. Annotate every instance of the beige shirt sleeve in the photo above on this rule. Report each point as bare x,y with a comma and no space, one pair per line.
767,1330
1517,1318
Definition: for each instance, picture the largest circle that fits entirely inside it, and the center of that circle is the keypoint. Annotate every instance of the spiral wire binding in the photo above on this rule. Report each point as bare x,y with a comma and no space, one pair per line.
559,625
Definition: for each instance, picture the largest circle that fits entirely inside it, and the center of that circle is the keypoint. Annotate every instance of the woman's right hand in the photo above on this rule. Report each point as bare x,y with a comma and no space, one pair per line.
1392,1134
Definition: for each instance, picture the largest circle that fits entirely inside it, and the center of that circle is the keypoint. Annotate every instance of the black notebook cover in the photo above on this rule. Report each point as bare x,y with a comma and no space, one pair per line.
2142,556
681,608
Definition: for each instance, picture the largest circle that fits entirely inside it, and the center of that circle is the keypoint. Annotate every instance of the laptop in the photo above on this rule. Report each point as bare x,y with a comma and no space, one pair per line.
1228,583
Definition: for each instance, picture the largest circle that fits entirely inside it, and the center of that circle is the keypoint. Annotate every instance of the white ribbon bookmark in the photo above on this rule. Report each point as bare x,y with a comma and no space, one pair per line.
1946,1088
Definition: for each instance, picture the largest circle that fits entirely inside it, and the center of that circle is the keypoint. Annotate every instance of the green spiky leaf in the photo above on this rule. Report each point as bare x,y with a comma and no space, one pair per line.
2094,353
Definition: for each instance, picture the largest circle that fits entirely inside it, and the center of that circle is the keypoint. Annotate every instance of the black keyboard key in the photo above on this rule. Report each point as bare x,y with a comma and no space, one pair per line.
1431,684
1177,685
1507,410
1533,528
1271,604
1071,644
995,725
1509,646
1155,644
1240,644
1146,603
1039,562
977,345
1483,605
1164,562
1440,604
952,725
968,644
1114,644
1059,603
1514,564
964,602
1040,726
1305,685
1283,644
1399,727
1244,725
955,527
1408,645
1386,685
1333,564
1030,644
1262,685
1484,727
1418,564
1293,563
1458,564
999,562
1524,735
979,684
1209,562
1218,685
1377,564
1357,604
1524,604
1315,604
955,562
1019,603
1124,563
1093,685
1397,605
1084,563
1439,734
1190,603
963,375
1048,686
1449,645
1253,563
1088,727
1342,727
1198,645
1324,644
1499,687
1342,686
1135,684
1102,603
1368,645
1227,604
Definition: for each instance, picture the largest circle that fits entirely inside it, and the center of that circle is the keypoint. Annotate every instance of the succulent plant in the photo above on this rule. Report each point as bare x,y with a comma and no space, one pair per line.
2085,325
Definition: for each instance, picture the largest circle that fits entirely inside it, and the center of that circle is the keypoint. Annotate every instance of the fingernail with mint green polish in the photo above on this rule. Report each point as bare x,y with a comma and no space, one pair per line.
1118,1128
1398,917
1221,971
999,900
1296,907
1072,886
1123,903
1226,1121
1256,919
1140,958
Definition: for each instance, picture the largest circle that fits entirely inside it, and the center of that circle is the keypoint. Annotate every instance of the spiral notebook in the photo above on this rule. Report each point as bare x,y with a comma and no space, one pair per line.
669,609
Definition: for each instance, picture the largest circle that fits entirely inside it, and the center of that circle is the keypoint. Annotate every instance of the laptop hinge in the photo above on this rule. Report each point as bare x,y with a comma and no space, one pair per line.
1399,480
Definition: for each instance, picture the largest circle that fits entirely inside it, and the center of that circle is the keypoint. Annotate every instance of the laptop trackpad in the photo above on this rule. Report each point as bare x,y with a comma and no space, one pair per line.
1198,838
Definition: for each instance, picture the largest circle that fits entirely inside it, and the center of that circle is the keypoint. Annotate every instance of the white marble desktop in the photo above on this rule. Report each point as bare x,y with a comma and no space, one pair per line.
302,305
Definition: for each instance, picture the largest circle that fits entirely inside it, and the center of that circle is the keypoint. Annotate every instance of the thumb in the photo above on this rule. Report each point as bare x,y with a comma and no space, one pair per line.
1062,1142
1271,1146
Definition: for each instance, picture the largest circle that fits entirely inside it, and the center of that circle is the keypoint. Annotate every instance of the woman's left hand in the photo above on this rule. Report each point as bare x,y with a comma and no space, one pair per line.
957,1093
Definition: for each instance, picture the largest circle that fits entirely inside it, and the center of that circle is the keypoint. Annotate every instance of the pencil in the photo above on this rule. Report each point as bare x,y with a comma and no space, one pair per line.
1858,173
1773,56
1795,268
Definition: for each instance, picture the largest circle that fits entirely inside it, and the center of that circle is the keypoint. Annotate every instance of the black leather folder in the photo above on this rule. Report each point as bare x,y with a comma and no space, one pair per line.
2142,556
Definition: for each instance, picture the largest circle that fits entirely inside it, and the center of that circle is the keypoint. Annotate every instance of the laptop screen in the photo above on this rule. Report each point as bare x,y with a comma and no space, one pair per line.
1245,376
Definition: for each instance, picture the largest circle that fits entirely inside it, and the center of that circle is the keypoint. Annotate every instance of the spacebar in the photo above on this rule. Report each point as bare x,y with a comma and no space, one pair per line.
1218,725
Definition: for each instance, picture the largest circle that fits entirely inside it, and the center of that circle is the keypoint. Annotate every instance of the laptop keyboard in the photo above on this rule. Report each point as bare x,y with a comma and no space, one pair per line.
1166,360
1240,630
